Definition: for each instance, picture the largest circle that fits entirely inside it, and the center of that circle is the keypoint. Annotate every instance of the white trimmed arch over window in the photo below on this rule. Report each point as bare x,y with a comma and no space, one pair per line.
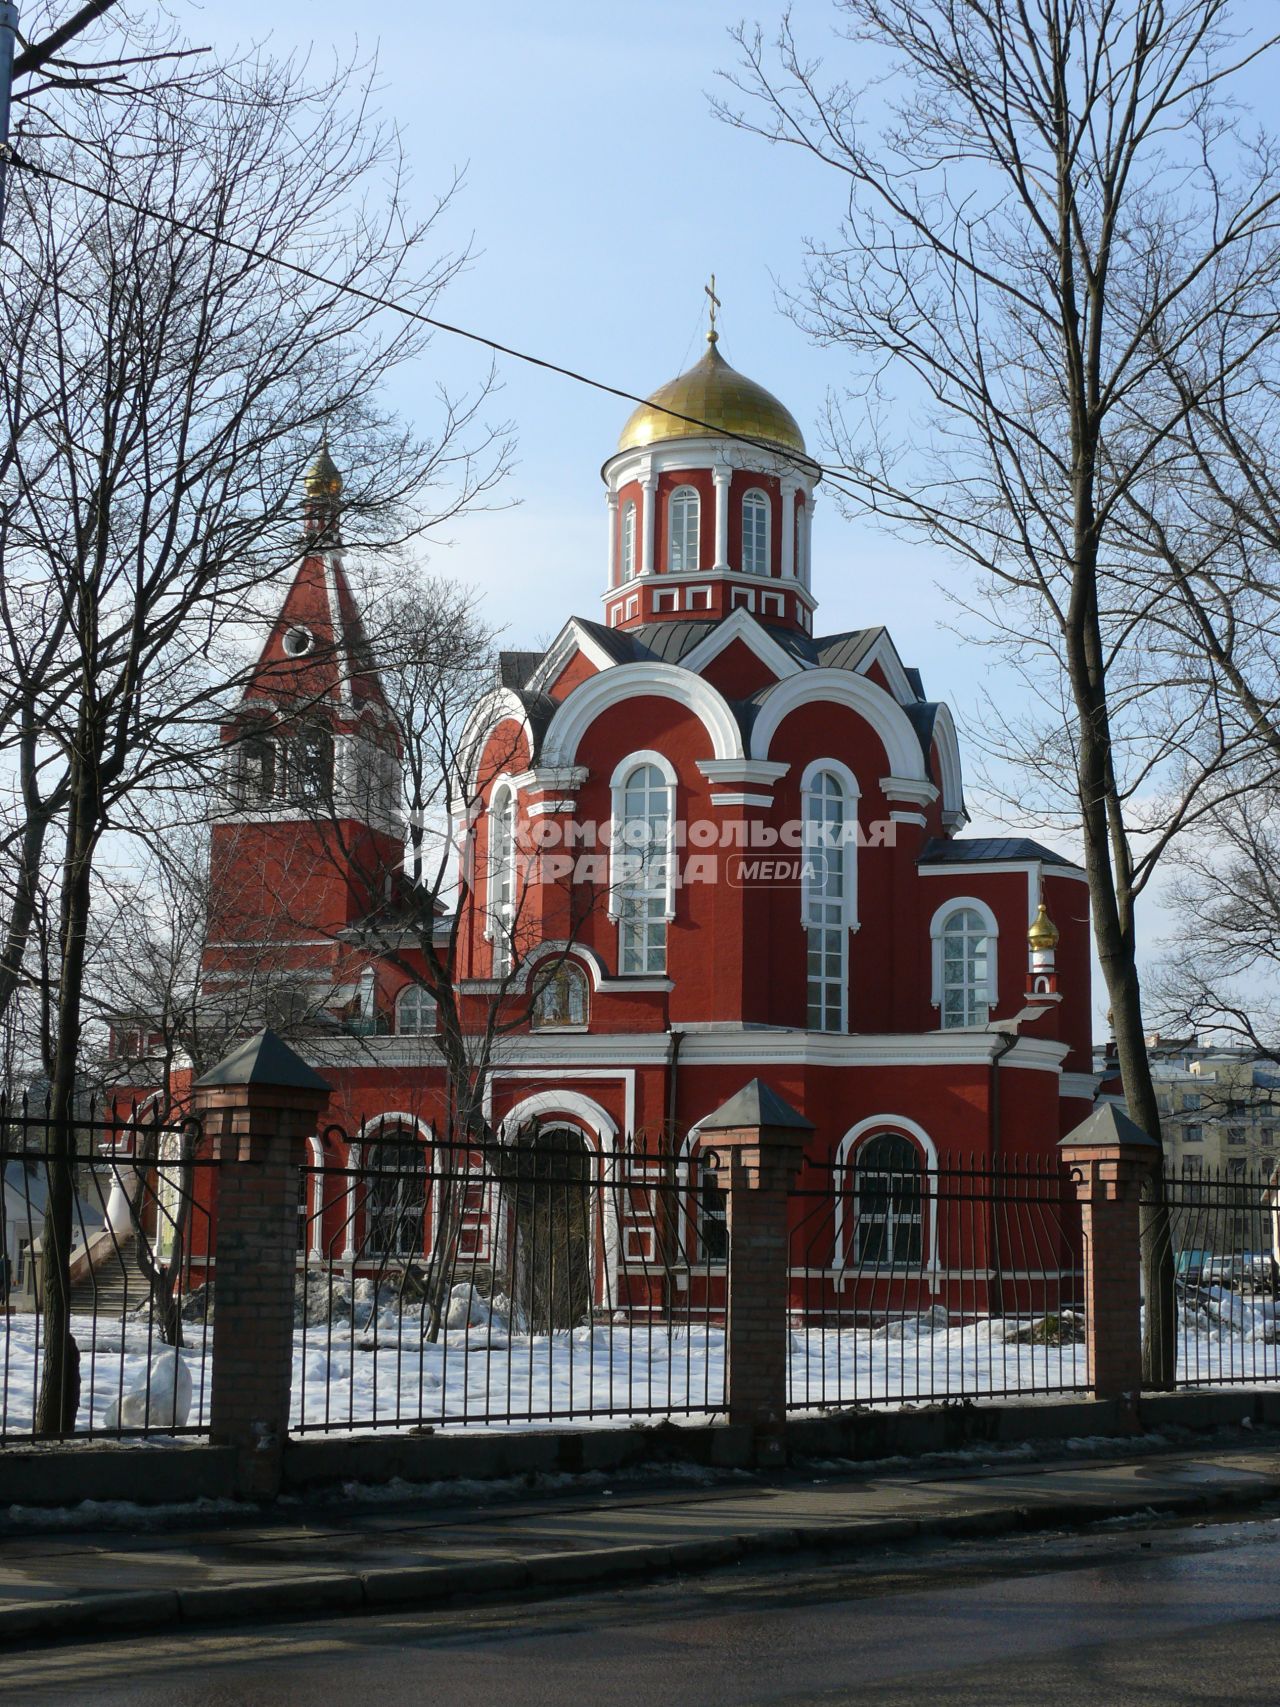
629,540
561,1001
886,1208
642,874
964,934
829,796
682,528
755,532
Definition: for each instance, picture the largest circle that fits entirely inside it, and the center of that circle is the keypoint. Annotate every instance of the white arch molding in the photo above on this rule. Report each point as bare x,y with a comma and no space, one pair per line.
591,698
602,1131
355,1162
872,1127
839,687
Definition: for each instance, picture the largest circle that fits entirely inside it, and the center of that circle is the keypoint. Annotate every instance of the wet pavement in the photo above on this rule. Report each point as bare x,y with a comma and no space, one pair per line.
1173,1615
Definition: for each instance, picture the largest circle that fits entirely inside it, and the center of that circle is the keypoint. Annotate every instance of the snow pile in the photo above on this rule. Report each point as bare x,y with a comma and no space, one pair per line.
160,1399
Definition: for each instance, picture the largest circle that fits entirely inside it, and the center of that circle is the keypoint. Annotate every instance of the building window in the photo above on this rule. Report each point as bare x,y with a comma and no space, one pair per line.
964,971
888,1187
305,1176
642,889
1235,1135
628,541
826,897
1193,1166
800,544
415,1012
255,772
755,533
713,1216
502,878
562,1000
682,526
1193,1134
309,763
395,1172
1191,1100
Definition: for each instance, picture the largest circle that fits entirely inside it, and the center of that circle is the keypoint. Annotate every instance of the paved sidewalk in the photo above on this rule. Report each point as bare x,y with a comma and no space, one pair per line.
67,1584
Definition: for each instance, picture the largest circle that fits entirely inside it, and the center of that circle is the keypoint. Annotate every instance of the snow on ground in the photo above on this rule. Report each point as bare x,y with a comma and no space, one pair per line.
613,1373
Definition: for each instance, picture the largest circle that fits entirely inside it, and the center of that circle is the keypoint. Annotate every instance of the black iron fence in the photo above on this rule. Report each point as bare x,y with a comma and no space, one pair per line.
130,1281
538,1281
1221,1228
914,1283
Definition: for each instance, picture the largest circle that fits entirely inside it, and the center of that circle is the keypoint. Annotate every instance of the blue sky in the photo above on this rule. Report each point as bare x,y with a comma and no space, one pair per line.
601,192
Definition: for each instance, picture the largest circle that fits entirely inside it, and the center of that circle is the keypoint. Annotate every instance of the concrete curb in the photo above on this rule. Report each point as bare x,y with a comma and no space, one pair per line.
544,1575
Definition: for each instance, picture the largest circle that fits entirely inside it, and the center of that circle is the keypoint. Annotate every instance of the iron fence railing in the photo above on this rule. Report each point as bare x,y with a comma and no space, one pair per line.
506,1284
1221,1228
914,1284
137,1354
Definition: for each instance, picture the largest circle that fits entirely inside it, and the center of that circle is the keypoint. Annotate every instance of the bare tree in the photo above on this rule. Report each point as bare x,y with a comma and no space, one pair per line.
1060,194
166,381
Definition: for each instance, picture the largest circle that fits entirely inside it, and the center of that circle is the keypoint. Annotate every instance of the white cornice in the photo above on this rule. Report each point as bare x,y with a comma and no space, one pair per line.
909,788
763,771
674,578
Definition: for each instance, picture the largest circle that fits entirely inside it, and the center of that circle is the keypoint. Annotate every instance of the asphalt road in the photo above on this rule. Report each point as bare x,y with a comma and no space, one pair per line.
1162,1616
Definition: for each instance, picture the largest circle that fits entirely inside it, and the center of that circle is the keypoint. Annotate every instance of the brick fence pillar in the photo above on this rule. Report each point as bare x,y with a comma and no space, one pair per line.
1108,1156
759,1142
258,1107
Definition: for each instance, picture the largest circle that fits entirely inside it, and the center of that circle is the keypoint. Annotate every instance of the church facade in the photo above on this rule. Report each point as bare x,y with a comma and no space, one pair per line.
703,841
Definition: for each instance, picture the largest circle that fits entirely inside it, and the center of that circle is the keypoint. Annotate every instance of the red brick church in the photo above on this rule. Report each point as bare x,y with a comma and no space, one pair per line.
735,838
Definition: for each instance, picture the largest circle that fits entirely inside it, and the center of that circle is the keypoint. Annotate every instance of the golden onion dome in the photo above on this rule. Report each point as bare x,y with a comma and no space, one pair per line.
322,479
715,394
1043,932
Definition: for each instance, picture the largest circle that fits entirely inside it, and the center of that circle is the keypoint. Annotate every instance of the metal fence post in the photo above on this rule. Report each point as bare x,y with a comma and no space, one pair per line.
258,1107
1108,1156
760,1140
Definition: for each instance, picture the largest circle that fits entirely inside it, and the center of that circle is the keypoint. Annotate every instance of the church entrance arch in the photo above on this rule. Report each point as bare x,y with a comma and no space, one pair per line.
553,1225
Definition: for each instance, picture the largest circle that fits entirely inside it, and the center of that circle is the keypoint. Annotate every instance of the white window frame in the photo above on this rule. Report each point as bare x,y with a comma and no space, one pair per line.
500,887
416,994
666,889
937,931
684,496
838,924
628,552
875,1126
756,499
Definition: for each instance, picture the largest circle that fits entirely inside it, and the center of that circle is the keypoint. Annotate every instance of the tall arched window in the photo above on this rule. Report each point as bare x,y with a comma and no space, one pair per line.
502,877
827,893
888,1189
682,529
415,1012
394,1165
628,541
964,978
309,766
642,890
755,533
255,770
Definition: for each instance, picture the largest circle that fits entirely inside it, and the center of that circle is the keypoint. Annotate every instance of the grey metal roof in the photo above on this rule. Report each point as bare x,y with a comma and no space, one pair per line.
940,851
845,651
515,668
1107,1125
756,1104
265,1060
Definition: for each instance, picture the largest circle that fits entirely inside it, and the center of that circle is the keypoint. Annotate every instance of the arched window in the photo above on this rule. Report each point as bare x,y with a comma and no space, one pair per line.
682,529
642,890
628,541
755,533
502,877
415,1012
394,1165
888,1191
827,892
309,765
255,771
562,1000
964,974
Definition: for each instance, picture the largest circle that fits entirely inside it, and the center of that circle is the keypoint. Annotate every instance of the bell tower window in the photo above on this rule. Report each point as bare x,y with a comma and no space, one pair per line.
755,533
682,520
628,541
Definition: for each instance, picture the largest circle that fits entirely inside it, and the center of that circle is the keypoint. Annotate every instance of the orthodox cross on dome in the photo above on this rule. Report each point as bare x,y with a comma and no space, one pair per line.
710,289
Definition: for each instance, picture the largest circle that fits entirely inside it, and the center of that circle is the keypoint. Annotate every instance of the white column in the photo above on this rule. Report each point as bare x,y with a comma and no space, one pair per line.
808,539
649,485
722,477
788,530
613,539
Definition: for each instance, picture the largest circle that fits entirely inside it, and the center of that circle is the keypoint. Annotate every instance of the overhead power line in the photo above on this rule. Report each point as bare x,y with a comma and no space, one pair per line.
376,300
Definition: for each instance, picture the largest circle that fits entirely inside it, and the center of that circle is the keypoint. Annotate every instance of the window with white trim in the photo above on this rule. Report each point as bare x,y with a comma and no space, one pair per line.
415,1012
825,898
888,1190
755,532
562,999
682,529
502,877
394,1165
966,986
628,541
642,875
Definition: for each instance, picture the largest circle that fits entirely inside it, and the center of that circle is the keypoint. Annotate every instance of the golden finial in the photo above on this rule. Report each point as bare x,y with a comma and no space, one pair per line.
1043,932
322,479
713,337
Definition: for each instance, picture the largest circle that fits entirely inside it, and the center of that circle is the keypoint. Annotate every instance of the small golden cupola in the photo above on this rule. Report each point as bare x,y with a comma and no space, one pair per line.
322,484
1042,941
1043,933
710,496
